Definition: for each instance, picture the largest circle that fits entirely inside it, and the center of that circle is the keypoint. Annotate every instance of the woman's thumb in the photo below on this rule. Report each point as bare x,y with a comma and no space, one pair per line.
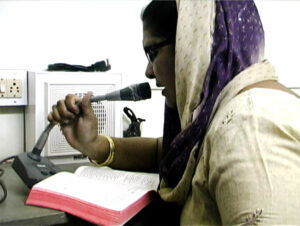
86,104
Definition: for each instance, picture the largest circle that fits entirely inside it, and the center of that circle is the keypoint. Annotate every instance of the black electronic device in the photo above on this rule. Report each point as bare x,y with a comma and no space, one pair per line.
32,167
134,129
32,171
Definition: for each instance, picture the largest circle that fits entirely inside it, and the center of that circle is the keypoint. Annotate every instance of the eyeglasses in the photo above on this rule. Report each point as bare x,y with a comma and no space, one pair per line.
152,51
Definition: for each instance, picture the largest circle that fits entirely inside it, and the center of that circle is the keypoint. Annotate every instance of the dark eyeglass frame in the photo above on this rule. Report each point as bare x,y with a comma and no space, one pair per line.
151,51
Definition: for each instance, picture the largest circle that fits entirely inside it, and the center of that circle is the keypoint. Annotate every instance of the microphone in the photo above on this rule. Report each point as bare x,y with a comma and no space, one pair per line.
134,92
32,168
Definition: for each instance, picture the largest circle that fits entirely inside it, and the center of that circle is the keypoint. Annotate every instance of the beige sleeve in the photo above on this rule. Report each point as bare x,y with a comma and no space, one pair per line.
254,164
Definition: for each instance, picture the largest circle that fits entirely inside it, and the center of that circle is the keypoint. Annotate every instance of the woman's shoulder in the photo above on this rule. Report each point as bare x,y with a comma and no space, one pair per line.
259,105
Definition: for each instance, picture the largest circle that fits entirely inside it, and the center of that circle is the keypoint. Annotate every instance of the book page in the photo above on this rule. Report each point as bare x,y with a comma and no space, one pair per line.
108,188
119,177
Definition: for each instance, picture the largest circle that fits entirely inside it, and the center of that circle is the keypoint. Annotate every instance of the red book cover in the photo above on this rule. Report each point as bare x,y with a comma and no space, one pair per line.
99,195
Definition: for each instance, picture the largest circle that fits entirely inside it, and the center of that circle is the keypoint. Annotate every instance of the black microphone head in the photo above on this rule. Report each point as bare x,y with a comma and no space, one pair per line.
136,92
144,91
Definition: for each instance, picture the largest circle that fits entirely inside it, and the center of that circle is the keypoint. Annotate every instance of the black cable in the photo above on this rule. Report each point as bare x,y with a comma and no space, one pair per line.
98,66
2,185
8,158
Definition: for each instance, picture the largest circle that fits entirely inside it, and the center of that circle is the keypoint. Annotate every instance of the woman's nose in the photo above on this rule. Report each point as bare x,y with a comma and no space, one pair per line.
149,71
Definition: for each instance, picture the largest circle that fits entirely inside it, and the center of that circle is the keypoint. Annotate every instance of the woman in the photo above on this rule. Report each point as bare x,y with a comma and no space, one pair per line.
230,152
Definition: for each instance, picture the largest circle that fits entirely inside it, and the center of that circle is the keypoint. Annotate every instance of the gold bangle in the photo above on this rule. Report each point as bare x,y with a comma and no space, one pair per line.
110,158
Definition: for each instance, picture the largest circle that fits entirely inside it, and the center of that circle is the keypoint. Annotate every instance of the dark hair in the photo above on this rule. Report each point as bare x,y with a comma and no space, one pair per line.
161,18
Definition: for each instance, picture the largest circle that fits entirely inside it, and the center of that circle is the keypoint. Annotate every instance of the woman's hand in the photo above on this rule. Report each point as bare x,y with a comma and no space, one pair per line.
78,124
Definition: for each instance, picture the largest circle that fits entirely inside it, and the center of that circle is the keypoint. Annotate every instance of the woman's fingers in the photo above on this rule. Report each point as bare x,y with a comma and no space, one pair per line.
51,119
55,114
65,115
71,103
65,110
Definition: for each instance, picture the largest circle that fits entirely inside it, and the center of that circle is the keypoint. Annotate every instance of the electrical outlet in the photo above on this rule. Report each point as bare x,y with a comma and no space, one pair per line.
13,88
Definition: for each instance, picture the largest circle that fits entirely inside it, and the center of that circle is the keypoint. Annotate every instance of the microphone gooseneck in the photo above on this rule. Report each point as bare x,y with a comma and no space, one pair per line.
36,152
134,92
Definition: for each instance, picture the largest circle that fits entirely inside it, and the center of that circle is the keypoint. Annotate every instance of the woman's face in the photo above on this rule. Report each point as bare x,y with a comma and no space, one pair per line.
162,66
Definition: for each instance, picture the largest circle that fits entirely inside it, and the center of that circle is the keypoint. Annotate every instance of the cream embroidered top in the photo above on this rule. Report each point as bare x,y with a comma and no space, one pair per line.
248,169
250,163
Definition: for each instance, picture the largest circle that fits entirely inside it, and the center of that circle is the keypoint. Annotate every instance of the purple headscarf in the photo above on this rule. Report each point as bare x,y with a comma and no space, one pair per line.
237,41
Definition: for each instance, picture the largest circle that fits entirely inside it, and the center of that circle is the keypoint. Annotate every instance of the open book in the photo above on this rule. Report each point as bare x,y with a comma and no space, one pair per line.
100,195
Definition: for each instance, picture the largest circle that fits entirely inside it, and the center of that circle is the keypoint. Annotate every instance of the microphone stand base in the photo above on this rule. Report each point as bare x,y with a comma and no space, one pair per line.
32,171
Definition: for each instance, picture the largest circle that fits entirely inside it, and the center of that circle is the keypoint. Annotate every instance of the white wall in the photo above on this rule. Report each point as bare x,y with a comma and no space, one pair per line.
11,131
37,33
281,23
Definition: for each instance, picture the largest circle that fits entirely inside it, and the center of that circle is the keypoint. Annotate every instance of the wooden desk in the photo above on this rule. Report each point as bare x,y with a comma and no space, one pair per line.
13,211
